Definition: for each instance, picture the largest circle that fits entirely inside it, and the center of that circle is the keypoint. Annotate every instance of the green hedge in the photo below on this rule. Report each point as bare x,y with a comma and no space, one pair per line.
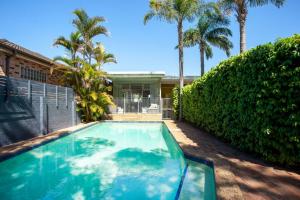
252,101
175,101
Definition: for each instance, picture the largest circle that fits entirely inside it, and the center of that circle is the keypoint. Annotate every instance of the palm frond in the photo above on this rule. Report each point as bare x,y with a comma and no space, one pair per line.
191,37
208,52
223,43
256,3
62,41
98,30
64,60
149,16
219,31
81,15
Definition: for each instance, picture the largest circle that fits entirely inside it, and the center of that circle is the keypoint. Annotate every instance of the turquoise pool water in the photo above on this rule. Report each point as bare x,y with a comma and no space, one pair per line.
106,161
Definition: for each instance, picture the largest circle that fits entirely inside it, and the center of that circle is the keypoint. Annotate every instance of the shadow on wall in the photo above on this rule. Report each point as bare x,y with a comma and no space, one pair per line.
29,109
17,119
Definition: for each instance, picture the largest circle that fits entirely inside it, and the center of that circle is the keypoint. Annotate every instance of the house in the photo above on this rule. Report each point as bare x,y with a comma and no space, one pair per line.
143,95
19,62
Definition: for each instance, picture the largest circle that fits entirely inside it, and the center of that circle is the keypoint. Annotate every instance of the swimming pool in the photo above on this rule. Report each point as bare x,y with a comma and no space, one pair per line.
109,160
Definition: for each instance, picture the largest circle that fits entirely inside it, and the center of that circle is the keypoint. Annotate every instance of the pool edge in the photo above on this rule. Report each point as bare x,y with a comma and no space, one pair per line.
47,139
197,159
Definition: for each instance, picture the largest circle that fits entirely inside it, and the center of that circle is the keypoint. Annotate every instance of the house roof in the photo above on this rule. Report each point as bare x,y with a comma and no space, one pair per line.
125,75
175,79
137,74
14,48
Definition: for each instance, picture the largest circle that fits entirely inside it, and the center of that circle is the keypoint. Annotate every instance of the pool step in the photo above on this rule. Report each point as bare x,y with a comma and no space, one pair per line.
136,117
199,182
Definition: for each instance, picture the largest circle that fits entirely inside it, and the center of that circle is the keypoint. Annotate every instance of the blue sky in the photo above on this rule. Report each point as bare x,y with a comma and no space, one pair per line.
35,24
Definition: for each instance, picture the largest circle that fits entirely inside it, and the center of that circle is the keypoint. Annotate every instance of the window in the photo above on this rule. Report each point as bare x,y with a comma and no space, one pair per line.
31,74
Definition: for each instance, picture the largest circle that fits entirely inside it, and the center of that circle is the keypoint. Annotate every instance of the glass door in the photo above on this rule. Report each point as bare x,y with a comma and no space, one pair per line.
136,95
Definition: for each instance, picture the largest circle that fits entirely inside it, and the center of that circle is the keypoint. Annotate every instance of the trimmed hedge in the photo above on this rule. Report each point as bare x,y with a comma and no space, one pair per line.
252,101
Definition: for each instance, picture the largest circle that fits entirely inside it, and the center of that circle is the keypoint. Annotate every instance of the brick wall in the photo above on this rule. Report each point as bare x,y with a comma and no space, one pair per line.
15,69
2,64
56,78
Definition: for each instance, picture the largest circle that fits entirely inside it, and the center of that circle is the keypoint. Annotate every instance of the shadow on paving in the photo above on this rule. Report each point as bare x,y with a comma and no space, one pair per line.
235,170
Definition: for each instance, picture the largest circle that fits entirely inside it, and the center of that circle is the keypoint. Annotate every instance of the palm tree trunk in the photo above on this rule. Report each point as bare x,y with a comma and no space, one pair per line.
181,78
242,36
202,59
241,18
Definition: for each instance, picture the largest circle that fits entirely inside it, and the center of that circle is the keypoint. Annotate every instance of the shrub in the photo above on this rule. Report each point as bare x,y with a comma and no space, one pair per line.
252,101
175,101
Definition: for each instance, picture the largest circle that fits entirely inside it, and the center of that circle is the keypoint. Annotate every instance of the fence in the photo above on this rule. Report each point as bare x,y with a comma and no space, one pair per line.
139,105
144,105
29,109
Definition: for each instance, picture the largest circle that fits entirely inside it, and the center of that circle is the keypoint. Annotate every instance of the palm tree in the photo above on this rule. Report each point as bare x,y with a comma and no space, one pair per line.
212,30
72,45
174,11
240,7
93,97
88,27
80,66
101,56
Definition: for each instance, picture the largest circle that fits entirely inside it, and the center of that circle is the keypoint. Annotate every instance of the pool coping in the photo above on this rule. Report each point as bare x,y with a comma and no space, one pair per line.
12,150
195,159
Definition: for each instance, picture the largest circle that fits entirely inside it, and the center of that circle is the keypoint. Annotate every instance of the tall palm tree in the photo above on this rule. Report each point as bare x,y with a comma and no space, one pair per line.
87,81
88,27
174,11
211,29
240,7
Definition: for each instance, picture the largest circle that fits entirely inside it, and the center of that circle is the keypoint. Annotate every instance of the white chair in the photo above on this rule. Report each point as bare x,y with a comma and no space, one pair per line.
153,108
144,110
120,110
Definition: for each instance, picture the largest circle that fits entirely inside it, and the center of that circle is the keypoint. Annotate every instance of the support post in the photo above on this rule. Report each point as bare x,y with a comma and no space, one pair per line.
73,113
45,88
56,96
29,91
124,106
42,115
66,97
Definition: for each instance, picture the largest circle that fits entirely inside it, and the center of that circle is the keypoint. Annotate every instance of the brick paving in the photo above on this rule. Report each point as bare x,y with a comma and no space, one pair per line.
238,175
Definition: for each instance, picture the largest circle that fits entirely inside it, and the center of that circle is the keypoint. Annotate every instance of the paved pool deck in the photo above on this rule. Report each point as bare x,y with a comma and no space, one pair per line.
238,175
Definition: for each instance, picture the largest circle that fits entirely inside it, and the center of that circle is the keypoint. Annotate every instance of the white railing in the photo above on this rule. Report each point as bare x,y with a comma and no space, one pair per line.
138,105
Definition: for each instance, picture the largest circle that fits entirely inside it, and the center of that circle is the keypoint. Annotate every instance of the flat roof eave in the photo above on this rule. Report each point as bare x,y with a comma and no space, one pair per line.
139,74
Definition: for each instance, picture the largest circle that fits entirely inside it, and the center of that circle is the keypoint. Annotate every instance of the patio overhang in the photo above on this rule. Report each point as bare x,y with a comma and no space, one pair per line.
135,75
175,79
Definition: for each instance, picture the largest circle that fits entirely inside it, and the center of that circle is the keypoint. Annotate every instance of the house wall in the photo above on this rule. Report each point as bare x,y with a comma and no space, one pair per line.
16,63
166,90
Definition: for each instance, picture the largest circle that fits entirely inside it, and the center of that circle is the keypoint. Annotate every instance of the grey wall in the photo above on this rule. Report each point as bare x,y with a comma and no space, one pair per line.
29,109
